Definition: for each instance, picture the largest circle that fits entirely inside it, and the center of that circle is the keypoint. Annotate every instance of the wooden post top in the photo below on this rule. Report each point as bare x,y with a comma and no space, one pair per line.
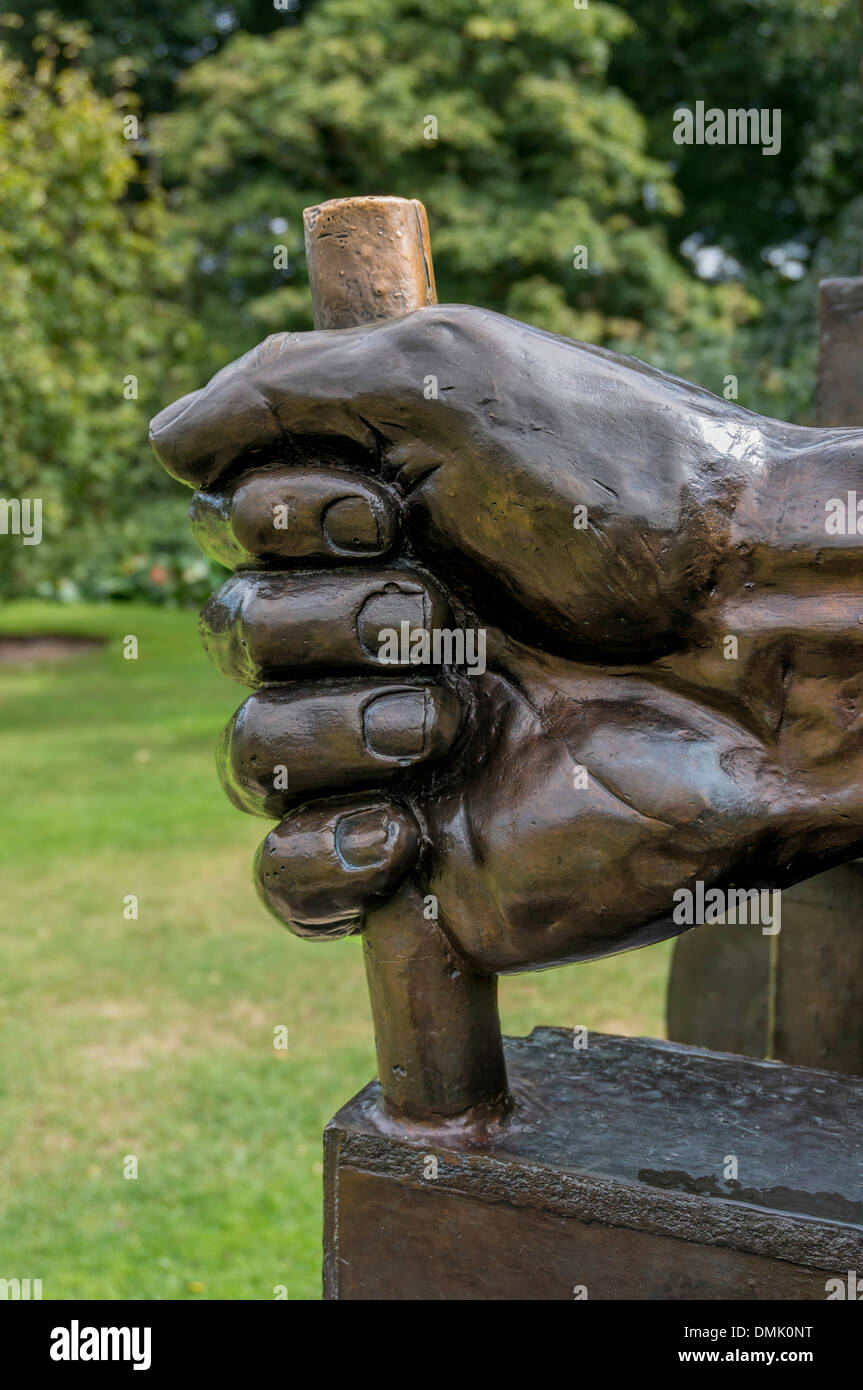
369,259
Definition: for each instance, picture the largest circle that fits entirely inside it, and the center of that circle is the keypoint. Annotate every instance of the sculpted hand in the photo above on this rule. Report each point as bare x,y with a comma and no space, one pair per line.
603,530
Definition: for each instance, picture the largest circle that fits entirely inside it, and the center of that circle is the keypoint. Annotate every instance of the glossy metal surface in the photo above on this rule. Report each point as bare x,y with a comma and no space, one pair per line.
606,528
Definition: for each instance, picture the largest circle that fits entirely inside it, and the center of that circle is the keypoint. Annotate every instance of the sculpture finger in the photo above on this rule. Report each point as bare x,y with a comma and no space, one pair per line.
285,743
329,862
296,514
267,626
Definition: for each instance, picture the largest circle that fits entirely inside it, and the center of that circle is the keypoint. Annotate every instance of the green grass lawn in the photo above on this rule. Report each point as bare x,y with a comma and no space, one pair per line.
153,1037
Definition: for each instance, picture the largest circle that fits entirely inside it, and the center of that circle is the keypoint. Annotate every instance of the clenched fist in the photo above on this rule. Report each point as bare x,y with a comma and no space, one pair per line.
535,632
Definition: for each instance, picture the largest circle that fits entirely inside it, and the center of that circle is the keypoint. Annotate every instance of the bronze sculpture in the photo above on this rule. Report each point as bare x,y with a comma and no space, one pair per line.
606,528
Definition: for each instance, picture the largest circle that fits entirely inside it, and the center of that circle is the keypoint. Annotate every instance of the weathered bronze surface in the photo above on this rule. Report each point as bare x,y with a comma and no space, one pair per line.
606,528
721,990
840,359
818,989
797,997
612,1182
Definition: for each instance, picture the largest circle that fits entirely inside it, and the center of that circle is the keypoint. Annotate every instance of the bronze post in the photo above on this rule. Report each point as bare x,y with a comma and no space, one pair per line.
437,1032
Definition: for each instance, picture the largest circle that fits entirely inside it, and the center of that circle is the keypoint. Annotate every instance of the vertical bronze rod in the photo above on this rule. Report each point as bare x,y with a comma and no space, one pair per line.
437,1032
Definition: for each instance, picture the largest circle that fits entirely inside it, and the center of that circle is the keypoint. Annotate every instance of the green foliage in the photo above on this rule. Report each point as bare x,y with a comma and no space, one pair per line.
533,154
92,268
156,41
785,220
554,132
801,56
782,348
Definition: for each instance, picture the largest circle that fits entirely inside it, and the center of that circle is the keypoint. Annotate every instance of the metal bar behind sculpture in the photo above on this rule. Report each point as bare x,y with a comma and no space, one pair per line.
437,1032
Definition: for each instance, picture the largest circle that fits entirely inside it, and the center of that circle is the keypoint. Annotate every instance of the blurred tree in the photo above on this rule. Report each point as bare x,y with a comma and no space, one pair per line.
775,224
93,334
544,200
780,350
800,56
158,40
538,134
